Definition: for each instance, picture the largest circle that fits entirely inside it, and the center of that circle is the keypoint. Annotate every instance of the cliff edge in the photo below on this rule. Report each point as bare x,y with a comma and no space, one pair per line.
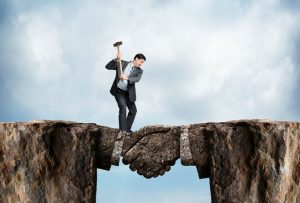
56,161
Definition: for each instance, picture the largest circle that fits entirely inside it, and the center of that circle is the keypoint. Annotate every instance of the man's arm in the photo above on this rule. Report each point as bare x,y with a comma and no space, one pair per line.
112,65
137,78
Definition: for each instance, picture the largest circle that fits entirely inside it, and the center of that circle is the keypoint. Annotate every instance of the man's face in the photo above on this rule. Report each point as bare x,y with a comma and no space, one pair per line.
138,62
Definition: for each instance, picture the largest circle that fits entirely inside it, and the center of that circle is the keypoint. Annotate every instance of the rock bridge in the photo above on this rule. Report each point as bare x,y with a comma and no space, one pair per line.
56,161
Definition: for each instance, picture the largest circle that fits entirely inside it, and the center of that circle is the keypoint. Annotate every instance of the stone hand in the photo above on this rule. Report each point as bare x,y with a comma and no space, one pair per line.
152,151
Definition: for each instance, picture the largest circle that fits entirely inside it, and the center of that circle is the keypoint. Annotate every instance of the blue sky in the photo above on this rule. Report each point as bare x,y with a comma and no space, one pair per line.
206,61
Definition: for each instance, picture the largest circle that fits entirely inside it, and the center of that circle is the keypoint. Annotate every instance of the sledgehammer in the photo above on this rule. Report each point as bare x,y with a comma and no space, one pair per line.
118,44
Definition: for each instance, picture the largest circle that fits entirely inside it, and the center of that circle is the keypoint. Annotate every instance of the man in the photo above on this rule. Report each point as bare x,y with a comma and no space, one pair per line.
123,88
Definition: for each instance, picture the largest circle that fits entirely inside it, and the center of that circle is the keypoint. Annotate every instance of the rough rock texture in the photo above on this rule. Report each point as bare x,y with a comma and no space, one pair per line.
106,138
52,161
255,161
246,161
56,161
152,150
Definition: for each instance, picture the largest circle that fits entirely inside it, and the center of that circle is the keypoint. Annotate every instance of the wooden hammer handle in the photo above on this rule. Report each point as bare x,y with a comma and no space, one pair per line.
121,68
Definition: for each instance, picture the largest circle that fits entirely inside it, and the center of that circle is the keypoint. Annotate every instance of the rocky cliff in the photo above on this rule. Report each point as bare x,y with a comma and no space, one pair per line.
56,161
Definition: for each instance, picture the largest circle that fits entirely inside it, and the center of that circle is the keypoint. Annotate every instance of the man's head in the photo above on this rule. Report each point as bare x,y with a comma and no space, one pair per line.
138,60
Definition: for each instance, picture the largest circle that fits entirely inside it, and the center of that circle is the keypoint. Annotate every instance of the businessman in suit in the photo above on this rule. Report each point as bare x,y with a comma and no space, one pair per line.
123,88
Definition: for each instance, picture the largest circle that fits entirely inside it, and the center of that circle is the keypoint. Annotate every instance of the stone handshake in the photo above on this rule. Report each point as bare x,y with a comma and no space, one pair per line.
57,161
152,150
240,157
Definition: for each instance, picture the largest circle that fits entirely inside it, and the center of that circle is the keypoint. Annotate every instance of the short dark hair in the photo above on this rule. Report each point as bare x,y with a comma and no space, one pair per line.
140,56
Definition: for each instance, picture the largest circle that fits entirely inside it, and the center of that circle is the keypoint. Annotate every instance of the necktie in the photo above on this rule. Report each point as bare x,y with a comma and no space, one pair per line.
132,68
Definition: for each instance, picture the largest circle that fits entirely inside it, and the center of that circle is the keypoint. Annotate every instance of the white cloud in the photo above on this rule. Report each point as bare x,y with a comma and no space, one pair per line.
167,197
45,52
221,61
206,61
178,185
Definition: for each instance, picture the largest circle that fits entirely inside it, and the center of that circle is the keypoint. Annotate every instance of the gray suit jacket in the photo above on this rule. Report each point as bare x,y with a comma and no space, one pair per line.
134,77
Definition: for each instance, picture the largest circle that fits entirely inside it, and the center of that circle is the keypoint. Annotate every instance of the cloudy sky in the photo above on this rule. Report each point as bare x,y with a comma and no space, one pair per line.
207,60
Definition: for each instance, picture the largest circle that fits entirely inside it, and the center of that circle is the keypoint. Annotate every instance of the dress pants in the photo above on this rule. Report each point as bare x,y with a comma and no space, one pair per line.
122,98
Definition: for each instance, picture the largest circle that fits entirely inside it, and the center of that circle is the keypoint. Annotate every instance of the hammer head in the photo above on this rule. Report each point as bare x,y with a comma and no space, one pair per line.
118,43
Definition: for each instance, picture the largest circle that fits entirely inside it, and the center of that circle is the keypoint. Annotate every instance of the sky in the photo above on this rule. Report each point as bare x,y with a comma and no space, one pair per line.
207,61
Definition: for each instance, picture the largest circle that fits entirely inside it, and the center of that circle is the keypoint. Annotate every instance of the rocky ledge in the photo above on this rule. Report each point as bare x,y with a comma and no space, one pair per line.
56,161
